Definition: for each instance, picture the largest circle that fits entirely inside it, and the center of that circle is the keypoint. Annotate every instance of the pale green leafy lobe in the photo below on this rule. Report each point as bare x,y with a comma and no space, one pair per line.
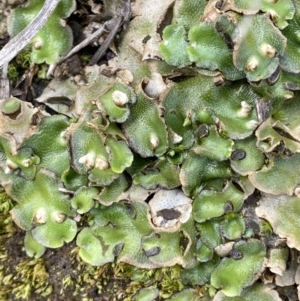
54,39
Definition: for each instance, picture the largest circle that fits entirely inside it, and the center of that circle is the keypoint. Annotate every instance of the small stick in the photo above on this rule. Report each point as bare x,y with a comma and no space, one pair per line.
100,52
98,33
123,16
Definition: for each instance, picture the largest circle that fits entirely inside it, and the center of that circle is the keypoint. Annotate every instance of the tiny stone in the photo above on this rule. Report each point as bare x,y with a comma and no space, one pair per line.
238,155
169,214
219,4
118,248
271,80
236,255
228,207
202,131
152,252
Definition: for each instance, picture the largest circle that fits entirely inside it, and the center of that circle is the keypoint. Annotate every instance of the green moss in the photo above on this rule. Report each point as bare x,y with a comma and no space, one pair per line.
160,190
245,268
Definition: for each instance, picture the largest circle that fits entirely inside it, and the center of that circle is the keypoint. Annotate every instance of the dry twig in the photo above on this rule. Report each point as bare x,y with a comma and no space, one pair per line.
123,15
